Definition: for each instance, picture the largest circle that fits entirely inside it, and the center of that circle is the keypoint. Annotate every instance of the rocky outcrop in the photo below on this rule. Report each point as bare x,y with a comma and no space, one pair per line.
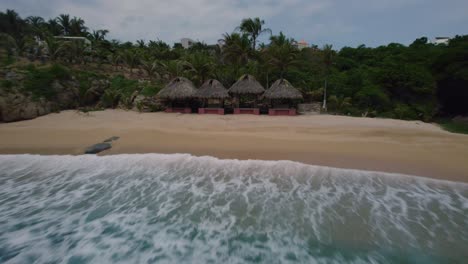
96,148
17,106
143,103
309,109
100,147
96,90
68,93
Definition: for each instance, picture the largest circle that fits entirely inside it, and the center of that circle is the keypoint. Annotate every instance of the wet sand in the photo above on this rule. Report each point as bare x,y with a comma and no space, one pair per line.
408,147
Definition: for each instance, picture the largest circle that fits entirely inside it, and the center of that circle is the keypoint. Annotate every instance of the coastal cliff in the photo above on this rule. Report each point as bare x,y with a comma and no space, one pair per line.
29,92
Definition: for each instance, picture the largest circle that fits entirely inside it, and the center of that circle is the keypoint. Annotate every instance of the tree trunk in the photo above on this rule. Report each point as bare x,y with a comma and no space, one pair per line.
325,95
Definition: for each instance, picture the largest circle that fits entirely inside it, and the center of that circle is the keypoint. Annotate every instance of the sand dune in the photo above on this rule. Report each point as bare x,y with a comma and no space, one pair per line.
360,143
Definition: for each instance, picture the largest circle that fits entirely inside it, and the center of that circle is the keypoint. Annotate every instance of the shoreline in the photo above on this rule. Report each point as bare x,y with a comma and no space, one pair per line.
384,145
371,173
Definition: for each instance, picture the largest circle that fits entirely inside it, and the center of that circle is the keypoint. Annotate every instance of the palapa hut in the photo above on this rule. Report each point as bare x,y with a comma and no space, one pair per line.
282,98
212,94
178,94
246,92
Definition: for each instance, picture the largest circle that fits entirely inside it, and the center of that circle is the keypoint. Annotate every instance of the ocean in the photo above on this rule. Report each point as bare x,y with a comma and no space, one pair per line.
177,208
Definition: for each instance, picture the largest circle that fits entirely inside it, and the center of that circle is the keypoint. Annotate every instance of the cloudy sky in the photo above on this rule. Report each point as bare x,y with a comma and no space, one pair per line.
338,22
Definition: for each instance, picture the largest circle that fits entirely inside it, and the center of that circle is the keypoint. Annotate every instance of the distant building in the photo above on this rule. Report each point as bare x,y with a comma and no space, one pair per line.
301,44
187,42
441,40
86,42
83,39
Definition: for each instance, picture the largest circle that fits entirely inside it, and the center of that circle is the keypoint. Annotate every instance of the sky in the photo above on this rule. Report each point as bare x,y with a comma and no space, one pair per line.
337,22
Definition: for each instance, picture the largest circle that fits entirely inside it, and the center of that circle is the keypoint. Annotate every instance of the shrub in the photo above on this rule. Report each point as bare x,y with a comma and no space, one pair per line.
85,78
123,86
150,90
453,126
110,98
39,81
59,72
6,85
403,111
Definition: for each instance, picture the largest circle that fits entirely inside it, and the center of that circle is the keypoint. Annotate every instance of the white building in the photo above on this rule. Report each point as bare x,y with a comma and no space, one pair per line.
301,44
187,42
441,40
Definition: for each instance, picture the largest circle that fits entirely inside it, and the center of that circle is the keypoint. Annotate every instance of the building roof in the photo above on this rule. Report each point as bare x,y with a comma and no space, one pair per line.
212,89
282,89
247,84
178,88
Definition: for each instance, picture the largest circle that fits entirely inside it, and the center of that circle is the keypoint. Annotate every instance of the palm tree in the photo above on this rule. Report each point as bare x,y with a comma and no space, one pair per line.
131,58
200,65
8,42
76,51
98,35
141,43
327,59
253,28
236,49
151,66
16,45
35,21
54,27
280,40
115,59
77,27
54,48
64,22
12,24
172,68
37,24
281,55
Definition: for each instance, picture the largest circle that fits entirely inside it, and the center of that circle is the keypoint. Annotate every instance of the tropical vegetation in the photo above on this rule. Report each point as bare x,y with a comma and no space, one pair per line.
420,81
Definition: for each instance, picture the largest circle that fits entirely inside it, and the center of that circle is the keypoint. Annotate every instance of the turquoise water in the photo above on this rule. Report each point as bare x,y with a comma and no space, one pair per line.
156,208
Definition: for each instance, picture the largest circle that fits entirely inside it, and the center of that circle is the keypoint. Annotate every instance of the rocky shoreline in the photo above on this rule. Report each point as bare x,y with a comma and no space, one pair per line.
18,104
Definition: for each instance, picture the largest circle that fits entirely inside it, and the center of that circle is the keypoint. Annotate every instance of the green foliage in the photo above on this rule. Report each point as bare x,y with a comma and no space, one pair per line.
7,84
450,69
403,111
8,60
39,80
59,72
85,78
150,90
419,81
125,87
110,98
339,104
120,91
253,27
453,126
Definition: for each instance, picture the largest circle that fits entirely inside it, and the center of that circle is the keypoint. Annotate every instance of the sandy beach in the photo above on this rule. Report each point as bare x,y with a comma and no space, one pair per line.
408,147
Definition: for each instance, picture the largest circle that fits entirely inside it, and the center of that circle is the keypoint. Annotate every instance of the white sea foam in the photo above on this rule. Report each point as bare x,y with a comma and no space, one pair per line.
180,208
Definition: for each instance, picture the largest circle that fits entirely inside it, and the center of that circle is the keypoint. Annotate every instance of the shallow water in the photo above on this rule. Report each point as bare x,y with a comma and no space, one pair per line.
183,209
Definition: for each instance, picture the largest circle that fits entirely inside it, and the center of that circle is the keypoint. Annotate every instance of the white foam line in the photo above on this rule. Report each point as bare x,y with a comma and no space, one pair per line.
187,157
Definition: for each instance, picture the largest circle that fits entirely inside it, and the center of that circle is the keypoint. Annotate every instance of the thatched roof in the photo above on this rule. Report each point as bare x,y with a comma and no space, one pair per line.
282,89
212,89
178,88
246,85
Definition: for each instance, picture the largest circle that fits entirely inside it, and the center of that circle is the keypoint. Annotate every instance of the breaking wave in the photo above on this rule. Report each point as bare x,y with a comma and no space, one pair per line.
183,209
